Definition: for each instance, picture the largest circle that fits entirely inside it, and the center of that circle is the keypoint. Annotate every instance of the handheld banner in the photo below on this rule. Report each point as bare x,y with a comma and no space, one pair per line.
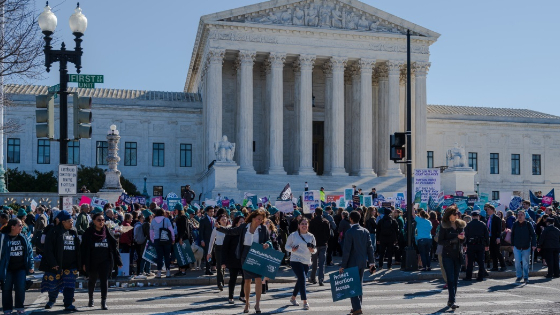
184,253
263,262
150,253
285,206
348,193
345,285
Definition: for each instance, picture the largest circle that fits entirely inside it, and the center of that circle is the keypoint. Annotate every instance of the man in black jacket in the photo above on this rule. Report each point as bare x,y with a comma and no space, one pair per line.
320,228
478,240
549,243
387,236
205,231
188,194
523,239
494,225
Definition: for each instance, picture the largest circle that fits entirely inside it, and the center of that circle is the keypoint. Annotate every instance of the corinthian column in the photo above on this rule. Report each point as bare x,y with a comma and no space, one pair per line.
336,117
303,68
365,133
393,104
245,111
420,131
275,61
213,104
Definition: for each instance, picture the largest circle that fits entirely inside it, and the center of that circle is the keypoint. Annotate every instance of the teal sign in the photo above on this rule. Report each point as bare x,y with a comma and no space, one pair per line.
150,253
184,254
54,88
171,202
462,206
263,262
346,284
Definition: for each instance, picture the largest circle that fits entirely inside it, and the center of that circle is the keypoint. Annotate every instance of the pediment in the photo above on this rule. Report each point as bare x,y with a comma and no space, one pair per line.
347,15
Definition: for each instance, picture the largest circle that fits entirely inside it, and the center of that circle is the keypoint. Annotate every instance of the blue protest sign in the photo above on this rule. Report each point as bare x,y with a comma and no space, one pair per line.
515,203
462,206
263,262
171,202
346,284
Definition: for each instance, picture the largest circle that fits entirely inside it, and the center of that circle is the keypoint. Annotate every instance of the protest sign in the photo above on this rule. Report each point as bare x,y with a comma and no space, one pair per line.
547,200
483,197
472,199
348,193
210,202
98,202
33,204
346,284
505,197
85,200
459,193
67,204
150,253
462,206
427,181
264,262
333,198
225,203
285,206
515,203
171,202
341,202
183,253
124,270
368,202
418,197
310,206
158,200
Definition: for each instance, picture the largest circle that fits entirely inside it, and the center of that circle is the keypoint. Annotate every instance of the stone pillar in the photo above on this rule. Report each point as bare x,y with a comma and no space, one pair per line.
336,117
375,119
327,71
354,135
275,62
420,111
303,68
366,112
213,104
394,70
383,123
245,111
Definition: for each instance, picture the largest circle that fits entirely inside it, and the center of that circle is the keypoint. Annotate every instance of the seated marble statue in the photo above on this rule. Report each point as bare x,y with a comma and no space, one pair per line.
224,150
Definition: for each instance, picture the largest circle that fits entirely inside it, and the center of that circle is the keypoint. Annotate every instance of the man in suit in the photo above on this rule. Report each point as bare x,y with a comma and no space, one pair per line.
494,225
357,250
205,231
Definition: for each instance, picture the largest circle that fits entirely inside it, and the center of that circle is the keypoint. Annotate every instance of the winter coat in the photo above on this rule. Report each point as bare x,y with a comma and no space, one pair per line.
448,238
523,235
54,248
550,238
5,255
87,246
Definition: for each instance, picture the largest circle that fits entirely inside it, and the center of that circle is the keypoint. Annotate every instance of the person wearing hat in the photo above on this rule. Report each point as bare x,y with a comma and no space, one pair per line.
549,244
294,222
61,261
478,240
83,220
387,236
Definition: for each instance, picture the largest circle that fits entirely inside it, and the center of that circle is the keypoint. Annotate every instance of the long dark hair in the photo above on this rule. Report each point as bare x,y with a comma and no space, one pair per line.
8,228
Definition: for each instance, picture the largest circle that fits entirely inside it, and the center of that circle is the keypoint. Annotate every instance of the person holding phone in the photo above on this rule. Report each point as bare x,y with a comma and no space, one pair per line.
451,236
302,245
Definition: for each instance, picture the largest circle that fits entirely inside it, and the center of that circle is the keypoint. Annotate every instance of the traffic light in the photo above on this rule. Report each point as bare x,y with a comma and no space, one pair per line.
82,116
398,142
45,115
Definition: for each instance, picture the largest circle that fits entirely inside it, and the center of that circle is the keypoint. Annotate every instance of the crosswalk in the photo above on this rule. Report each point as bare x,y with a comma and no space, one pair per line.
489,297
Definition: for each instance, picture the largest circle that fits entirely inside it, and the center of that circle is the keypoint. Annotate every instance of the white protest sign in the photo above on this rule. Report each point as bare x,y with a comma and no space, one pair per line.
428,181
98,202
310,206
285,206
210,202
67,179
67,203
505,197
312,195
33,204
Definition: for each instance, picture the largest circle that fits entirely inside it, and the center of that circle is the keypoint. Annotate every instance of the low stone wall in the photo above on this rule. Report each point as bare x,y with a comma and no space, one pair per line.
48,199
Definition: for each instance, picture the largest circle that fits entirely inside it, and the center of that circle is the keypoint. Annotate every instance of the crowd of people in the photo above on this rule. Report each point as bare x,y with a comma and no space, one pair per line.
88,241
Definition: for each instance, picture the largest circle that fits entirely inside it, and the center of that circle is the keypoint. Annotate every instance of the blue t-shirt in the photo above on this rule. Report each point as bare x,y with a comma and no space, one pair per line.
423,228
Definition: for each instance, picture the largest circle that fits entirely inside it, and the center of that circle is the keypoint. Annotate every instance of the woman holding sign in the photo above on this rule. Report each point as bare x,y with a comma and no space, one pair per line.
302,245
252,231
100,253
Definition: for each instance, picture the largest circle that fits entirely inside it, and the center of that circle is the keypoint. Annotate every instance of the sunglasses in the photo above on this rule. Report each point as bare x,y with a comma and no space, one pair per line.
100,220
454,213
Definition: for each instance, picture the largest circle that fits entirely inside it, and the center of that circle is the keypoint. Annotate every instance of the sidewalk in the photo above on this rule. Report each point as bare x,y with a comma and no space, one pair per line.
285,275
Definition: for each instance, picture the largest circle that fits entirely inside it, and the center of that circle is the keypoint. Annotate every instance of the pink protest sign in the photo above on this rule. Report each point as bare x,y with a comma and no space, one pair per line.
85,200
225,203
158,200
547,201
184,202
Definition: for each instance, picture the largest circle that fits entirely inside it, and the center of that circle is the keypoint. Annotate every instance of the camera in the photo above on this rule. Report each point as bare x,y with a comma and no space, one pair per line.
310,245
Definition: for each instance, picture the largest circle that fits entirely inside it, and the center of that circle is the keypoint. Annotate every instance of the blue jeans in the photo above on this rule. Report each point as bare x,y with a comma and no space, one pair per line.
318,260
163,255
14,280
521,256
452,266
301,271
424,247
373,243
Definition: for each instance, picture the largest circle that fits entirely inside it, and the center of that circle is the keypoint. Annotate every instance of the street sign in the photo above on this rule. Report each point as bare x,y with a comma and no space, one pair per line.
85,78
67,179
86,85
54,88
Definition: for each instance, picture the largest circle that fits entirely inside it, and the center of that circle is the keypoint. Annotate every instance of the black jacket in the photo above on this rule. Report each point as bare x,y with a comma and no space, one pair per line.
495,228
321,229
189,195
184,229
87,246
476,235
387,230
523,235
228,252
54,248
205,230
264,236
343,226
550,238
371,225
448,238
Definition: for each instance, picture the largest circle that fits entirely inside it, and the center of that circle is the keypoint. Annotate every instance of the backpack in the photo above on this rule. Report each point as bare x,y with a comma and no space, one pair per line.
139,237
164,235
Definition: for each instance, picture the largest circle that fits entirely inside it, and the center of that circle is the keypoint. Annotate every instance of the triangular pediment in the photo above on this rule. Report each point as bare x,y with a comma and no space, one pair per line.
346,15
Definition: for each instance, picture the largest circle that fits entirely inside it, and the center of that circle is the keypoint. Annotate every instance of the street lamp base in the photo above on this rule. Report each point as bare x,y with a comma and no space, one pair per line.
409,260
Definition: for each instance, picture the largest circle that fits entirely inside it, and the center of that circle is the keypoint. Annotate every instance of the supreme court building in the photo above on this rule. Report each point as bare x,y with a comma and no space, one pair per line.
308,90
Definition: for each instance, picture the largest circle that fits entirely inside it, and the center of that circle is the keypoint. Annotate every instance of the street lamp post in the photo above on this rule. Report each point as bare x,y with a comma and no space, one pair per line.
78,24
477,191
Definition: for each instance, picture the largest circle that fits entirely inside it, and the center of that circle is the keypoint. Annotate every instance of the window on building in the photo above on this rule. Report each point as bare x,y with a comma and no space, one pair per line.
515,164
495,195
130,153
430,159
536,164
157,191
13,150
158,154
473,160
74,152
102,150
494,163
186,155
43,151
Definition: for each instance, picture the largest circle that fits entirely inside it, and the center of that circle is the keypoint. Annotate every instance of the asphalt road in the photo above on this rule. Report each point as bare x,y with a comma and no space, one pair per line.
503,296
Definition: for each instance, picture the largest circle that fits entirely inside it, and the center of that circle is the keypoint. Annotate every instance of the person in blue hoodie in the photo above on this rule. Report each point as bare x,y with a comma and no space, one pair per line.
16,262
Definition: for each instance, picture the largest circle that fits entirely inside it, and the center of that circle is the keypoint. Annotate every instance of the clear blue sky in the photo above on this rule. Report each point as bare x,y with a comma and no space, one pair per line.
491,53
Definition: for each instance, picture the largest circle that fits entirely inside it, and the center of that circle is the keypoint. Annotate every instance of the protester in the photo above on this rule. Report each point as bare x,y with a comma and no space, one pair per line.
423,238
320,228
451,236
253,231
343,226
523,239
16,261
371,225
232,262
83,220
188,194
143,270
100,253
207,224
40,224
549,244
301,245
357,250
477,239
184,233
387,234
61,261
162,236
217,238
495,230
